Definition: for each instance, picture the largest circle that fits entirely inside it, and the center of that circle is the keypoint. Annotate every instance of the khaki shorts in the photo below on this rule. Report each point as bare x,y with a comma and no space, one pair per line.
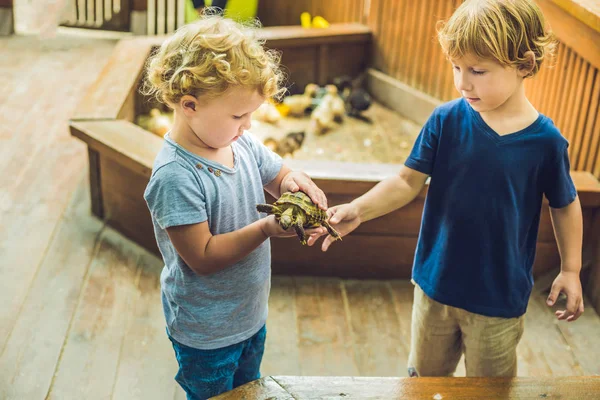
441,334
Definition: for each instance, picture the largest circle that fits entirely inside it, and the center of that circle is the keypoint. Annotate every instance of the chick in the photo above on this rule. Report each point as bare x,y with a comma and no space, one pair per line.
158,123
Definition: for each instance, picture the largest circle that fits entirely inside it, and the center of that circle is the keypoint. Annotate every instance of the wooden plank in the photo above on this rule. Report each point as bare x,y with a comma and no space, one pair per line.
302,388
145,343
400,97
124,204
542,350
373,319
579,336
281,348
324,338
586,11
121,73
33,348
359,256
592,286
95,183
402,293
90,356
121,141
579,36
593,116
32,209
263,389
7,21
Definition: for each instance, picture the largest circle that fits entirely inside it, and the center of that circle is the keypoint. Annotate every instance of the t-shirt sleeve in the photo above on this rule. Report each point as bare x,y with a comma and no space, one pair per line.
269,163
422,156
175,197
559,189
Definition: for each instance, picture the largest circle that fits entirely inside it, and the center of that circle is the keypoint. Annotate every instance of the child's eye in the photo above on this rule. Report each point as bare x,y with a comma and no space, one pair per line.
478,72
237,117
456,67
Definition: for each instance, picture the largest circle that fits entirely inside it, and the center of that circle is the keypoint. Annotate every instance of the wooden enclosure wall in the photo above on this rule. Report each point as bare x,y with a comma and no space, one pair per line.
405,48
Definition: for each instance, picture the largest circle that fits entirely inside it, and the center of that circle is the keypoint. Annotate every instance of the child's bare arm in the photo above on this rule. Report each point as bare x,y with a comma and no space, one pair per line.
206,254
568,229
390,194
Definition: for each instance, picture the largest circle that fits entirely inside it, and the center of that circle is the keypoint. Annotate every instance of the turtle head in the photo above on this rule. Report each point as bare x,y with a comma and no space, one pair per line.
285,221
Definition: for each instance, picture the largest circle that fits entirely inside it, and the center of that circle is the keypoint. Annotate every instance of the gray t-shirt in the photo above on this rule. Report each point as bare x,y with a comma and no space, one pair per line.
229,306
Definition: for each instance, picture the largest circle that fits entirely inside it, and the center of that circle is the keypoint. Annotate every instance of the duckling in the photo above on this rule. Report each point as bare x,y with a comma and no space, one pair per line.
267,112
287,145
158,123
290,143
335,102
322,118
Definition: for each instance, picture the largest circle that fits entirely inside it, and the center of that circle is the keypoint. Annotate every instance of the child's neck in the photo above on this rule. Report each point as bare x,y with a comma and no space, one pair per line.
515,114
182,134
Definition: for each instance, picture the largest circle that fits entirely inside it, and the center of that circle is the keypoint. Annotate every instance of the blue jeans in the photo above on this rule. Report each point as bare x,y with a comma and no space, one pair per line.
206,373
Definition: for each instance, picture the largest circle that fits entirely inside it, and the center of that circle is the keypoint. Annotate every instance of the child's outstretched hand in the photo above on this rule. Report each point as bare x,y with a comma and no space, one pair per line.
569,284
344,218
297,180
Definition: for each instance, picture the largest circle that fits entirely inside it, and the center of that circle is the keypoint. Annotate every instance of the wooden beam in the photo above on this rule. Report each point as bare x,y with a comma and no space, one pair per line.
579,36
400,97
586,11
312,387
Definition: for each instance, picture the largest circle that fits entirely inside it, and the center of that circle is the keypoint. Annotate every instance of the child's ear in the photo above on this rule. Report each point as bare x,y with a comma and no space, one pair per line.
528,66
188,104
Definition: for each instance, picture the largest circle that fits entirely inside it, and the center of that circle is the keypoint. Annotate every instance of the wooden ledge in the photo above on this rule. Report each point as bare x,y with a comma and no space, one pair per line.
573,27
136,148
320,387
586,11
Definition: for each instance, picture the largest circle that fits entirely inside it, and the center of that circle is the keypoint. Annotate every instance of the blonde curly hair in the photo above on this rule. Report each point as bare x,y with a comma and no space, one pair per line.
209,56
502,30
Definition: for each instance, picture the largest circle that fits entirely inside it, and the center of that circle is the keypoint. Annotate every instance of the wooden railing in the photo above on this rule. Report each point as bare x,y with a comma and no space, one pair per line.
97,14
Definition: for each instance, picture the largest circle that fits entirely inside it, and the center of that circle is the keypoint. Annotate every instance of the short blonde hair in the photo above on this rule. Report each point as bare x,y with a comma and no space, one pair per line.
502,30
208,57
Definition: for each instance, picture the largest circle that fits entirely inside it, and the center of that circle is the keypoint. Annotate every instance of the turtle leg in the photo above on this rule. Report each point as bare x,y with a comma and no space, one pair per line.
331,231
300,231
268,209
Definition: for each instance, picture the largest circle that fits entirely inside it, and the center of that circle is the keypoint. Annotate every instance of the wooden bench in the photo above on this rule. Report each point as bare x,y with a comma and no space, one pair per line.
304,388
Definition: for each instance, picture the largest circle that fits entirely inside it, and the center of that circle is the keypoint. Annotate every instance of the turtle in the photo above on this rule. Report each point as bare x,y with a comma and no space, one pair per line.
297,210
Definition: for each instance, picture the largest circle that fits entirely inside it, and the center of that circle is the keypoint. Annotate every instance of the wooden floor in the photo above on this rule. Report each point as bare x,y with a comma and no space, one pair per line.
81,315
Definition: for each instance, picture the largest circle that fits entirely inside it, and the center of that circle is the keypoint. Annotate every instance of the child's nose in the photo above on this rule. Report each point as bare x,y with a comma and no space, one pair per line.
463,83
247,123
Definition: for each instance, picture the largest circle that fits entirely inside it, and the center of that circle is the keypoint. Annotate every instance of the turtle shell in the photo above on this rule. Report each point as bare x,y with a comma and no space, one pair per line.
302,201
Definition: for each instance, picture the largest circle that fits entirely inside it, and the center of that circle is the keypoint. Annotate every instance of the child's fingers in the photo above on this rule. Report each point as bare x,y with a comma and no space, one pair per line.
577,314
338,215
553,296
327,242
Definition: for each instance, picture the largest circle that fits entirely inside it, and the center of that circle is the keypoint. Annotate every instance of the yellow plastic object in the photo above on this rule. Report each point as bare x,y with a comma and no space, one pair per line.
305,20
241,10
238,10
319,22
283,109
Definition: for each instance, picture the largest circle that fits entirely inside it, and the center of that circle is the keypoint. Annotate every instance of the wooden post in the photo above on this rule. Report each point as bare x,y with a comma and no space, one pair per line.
95,183
592,285
7,18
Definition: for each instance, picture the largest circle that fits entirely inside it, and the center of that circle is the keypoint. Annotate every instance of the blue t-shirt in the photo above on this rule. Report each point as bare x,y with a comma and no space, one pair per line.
228,306
480,222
